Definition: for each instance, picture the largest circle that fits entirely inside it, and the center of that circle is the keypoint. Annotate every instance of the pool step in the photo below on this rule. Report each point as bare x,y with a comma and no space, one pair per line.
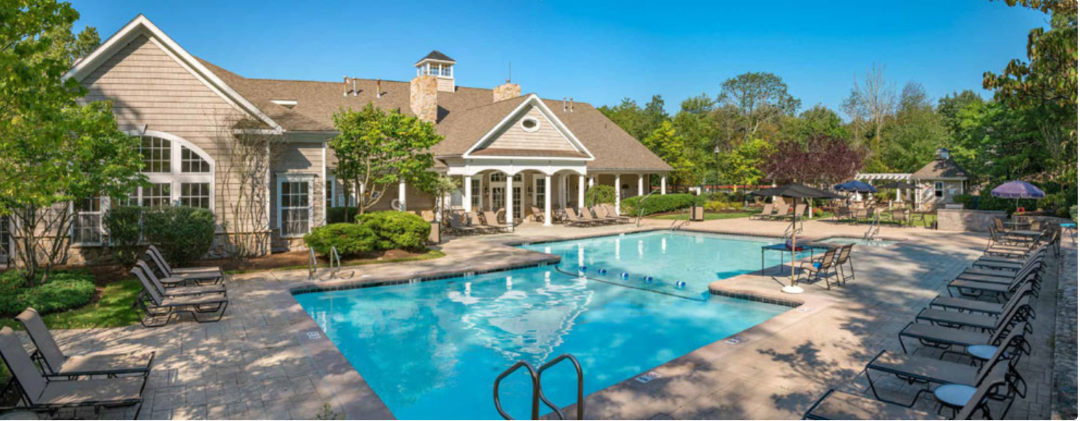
537,390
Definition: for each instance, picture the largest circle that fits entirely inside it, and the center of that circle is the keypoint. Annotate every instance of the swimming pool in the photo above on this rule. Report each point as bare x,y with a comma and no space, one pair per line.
432,350
679,262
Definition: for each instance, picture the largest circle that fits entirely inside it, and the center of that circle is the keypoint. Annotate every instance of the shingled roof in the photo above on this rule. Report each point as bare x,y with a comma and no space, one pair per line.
436,55
464,115
940,168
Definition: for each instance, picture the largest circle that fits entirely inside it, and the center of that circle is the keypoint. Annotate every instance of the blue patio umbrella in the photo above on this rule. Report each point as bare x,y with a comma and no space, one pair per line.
855,186
1017,189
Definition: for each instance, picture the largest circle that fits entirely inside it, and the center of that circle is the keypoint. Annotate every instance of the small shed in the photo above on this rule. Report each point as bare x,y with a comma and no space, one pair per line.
944,178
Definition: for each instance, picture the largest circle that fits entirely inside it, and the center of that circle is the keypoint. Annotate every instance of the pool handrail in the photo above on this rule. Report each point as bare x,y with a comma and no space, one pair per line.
580,386
535,390
313,264
641,206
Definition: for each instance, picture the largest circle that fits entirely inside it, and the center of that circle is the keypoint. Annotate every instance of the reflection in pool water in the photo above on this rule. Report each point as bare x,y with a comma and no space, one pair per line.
433,349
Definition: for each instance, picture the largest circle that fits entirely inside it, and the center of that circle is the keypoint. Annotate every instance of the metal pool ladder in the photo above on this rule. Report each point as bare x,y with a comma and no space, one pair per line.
537,390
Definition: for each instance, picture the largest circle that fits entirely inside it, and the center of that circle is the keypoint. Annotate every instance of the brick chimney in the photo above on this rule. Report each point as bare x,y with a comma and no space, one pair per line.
423,97
506,91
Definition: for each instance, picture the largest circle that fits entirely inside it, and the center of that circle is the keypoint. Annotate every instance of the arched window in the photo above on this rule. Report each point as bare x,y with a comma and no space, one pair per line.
179,172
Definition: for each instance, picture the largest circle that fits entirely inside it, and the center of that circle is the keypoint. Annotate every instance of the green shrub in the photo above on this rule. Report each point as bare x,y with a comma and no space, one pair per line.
660,203
183,234
599,194
350,239
968,200
340,214
122,223
65,290
397,230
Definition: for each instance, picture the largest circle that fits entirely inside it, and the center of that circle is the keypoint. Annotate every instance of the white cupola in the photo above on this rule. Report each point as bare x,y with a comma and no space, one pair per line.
439,65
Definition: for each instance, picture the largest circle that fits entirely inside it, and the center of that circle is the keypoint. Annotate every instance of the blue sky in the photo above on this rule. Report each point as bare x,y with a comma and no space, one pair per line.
599,52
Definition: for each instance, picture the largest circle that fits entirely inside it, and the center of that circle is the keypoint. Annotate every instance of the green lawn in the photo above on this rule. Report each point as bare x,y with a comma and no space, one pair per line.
112,310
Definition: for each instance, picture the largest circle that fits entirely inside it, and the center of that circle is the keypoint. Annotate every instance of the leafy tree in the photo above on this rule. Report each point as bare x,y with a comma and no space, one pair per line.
376,149
638,122
915,133
54,152
742,165
820,160
819,120
666,143
760,97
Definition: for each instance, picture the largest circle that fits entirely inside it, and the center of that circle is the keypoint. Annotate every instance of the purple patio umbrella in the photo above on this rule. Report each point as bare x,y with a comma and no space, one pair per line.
1017,189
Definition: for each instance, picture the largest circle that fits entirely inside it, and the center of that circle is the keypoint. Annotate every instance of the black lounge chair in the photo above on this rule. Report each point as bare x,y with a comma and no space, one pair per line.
178,291
943,337
975,306
56,364
150,304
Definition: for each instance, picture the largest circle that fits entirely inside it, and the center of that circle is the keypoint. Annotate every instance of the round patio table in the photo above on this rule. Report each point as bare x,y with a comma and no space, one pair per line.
981,352
1017,224
1025,233
954,396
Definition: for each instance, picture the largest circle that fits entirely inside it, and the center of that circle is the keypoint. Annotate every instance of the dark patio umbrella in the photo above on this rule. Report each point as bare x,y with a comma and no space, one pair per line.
855,186
797,191
1017,189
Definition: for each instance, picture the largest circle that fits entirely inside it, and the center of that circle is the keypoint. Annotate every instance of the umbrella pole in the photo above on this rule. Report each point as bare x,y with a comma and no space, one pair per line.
793,289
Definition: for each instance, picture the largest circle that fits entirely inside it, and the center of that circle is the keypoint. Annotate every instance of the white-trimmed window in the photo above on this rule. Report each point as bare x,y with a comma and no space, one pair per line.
477,194
178,172
294,205
939,189
329,193
87,227
541,194
5,238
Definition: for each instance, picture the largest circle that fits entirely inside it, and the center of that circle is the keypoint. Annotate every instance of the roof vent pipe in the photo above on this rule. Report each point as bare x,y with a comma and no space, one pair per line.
564,104
354,91
571,104
345,86
378,88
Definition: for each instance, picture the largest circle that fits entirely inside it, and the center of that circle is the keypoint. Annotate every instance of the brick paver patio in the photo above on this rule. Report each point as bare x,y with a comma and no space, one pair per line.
268,359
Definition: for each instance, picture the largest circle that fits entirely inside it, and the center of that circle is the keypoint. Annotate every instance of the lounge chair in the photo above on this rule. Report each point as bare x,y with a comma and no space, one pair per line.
39,393
946,337
193,272
459,227
900,216
844,257
491,222
55,364
537,215
843,213
599,216
781,211
975,306
800,210
835,405
984,322
178,291
150,304
572,219
766,212
473,220
933,371
991,286
860,214
1009,263
182,278
609,212
821,268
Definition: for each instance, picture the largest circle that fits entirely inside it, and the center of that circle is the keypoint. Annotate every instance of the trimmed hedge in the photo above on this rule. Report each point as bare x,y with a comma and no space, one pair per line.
64,291
350,239
122,223
340,215
600,194
397,230
375,231
183,234
660,203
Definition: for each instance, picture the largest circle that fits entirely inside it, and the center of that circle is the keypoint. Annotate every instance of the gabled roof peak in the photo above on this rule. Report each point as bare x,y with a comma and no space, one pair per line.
436,55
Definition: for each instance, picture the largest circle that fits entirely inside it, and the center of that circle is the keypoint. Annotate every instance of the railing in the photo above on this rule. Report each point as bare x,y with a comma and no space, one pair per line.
334,258
537,389
875,227
678,223
641,206
313,264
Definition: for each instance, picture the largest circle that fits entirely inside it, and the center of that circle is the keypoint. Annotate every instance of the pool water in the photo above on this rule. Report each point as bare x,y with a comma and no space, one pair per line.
432,350
679,262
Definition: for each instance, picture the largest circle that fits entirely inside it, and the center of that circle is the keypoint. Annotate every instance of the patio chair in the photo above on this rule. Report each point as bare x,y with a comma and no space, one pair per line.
834,405
491,222
55,364
609,211
206,272
1013,263
599,216
572,219
179,278
900,216
471,219
586,215
821,268
800,210
766,212
931,372
843,213
459,227
982,322
40,393
781,211
537,215
943,337
177,291
860,214
975,306
991,287
150,304
844,257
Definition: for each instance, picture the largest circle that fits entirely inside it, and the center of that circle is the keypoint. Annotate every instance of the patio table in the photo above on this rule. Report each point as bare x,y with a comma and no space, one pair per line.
782,248
1017,224
1026,233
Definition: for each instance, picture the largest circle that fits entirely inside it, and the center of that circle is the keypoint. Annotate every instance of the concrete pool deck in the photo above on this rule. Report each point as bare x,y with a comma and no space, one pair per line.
268,359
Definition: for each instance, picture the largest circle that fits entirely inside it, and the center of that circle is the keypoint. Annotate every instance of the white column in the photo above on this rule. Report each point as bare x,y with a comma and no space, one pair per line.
547,200
467,204
510,200
641,184
581,191
663,184
592,181
401,194
618,196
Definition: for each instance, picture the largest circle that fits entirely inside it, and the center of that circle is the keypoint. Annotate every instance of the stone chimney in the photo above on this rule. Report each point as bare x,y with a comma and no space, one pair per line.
506,91
423,97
